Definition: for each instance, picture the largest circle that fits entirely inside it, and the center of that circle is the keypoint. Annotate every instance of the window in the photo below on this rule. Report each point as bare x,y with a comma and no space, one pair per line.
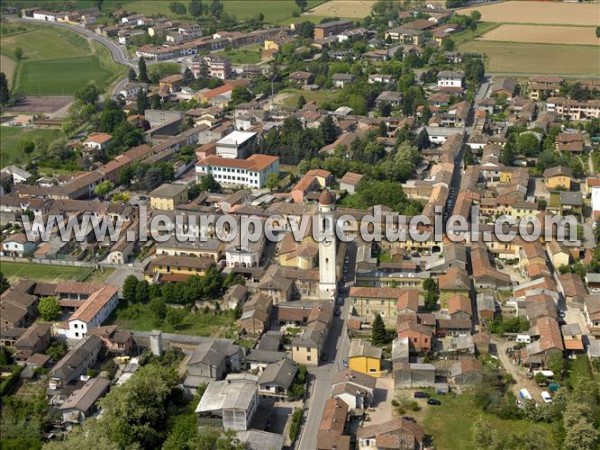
297,349
76,334
308,358
76,326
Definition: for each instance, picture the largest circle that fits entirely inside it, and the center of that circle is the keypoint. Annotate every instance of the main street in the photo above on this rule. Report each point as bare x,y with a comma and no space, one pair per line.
336,349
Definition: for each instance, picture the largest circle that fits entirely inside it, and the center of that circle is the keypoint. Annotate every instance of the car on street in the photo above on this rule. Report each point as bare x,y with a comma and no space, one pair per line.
337,312
340,301
433,402
420,394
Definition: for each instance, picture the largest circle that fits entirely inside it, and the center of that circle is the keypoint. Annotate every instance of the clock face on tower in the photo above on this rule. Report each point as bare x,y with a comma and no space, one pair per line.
326,242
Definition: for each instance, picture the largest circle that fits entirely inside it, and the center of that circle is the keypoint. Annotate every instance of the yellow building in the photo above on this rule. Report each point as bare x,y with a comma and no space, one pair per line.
558,177
176,268
364,358
271,45
167,196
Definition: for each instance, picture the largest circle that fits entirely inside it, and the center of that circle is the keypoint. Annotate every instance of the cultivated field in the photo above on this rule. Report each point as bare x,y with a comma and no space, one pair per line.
549,34
525,58
581,14
355,9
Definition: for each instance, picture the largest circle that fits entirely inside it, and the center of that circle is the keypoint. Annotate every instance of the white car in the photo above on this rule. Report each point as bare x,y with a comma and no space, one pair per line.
546,397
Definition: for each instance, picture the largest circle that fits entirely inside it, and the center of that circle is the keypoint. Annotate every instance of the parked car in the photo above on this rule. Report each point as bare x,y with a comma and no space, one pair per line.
546,397
345,363
433,402
420,394
337,312
324,357
340,301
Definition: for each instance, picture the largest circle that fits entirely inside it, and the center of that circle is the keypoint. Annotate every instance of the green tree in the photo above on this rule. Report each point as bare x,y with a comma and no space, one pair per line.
142,101
216,9
132,74
177,8
175,316
209,184
378,331
57,350
18,53
111,117
306,30
142,292
240,95
27,147
4,285
143,71
302,4
195,8
49,308
528,144
104,188
130,288
4,91
135,413
301,102
272,181
88,95
328,130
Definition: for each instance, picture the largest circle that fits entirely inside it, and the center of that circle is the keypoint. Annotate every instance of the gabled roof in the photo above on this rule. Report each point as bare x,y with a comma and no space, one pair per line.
281,373
360,348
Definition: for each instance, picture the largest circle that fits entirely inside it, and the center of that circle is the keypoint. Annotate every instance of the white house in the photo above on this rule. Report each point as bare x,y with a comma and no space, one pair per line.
240,253
18,245
236,144
44,15
18,175
92,312
450,79
98,141
235,401
131,90
439,135
596,200
251,173
380,78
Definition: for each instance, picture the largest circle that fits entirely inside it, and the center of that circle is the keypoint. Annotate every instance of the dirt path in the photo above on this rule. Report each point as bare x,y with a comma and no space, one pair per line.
519,373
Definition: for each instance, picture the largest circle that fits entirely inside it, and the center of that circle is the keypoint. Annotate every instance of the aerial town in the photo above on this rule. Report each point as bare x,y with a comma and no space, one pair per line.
300,224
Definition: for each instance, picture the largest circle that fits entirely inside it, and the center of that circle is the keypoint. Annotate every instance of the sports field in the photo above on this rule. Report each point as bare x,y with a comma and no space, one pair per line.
51,274
550,13
527,58
11,136
544,34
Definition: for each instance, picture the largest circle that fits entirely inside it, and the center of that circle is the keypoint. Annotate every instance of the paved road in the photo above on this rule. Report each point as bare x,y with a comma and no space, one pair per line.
337,347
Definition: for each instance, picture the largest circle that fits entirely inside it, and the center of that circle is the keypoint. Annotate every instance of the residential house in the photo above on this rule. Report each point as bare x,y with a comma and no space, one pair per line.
340,80
307,348
277,378
92,312
80,405
549,343
115,341
167,196
459,307
349,182
230,403
98,141
35,340
591,309
419,336
212,361
333,28
392,98
450,79
368,301
18,245
364,358
466,372
571,142
572,337
75,362
256,314
398,433
504,86
331,433
301,78
573,288
356,389
558,177
167,268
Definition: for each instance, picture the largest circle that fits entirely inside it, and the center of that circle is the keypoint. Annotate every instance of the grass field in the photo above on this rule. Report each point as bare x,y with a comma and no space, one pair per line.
550,13
51,78
57,61
521,58
245,55
467,35
139,317
289,97
273,10
164,68
51,274
543,34
451,423
8,66
44,43
11,136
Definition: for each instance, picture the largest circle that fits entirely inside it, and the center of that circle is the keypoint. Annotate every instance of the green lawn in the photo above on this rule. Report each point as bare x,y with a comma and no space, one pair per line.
467,35
139,317
10,138
451,423
289,97
244,55
60,76
164,68
51,274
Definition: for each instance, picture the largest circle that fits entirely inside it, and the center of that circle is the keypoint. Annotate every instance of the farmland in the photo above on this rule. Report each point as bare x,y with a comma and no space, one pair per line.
525,58
351,9
550,34
548,13
11,136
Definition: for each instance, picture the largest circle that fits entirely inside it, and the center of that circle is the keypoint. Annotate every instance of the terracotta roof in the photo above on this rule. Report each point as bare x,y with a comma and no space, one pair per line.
92,306
75,287
458,303
409,299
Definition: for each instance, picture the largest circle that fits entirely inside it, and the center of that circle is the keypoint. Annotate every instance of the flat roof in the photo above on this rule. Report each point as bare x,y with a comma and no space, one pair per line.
236,138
